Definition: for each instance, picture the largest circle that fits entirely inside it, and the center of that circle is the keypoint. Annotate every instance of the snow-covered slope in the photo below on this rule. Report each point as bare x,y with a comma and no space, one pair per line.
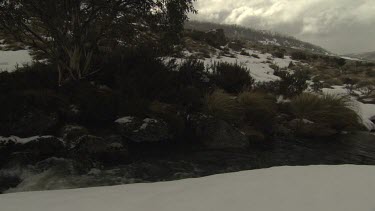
323,188
259,36
365,111
259,66
369,56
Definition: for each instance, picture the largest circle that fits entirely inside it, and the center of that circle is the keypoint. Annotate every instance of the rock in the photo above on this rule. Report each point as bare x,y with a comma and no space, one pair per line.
295,123
144,130
216,134
109,151
71,134
44,146
253,135
8,181
28,150
308,129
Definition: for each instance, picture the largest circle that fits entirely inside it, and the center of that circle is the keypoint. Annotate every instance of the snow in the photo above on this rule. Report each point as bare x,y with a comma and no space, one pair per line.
146,122
125,120
365,111
310,188
18,140
350,58
10,59
259,68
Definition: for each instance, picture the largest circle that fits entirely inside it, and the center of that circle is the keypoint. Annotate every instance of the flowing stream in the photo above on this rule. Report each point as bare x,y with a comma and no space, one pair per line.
58,173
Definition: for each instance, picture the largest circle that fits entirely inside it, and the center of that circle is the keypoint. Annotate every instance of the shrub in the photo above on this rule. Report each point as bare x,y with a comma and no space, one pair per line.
278,54
222,106
317,85
274,67
268,87
36,76
19,107
97,104
192,73
299,55
259,109
233,78
370,73
292,84
244,53
327,110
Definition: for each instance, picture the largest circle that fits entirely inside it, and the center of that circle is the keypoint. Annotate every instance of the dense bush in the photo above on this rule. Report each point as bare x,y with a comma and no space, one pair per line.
22,111
222,106
97,103
233,78
299,55
292,84
192,73
332,111
36,76
259,109
278,54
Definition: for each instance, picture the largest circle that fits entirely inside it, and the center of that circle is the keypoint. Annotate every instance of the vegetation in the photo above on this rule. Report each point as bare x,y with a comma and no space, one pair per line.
233,78
71,33
222,106
259,109
292,84
335,112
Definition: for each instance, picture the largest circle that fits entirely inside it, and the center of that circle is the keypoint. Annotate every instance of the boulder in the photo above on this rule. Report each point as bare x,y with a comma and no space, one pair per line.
44,146
143,130
253,135
71,134
308,129
28,150
216,134
109,151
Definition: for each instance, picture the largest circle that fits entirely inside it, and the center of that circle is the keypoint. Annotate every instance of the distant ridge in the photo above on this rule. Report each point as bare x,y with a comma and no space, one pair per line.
260,36
369,56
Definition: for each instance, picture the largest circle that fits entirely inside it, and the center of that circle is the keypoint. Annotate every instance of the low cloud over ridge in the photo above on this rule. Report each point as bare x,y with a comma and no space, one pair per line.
342,26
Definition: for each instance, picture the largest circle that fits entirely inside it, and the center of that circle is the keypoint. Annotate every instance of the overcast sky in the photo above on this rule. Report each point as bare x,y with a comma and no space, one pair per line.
341,26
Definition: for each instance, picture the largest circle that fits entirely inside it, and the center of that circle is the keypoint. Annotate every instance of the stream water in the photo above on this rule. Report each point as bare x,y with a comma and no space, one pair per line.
57,173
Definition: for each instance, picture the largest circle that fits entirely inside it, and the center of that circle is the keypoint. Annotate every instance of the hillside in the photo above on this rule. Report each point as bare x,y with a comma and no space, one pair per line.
369,56
258,36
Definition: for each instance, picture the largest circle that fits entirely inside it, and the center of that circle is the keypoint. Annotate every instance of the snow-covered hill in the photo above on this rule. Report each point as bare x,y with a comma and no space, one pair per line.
341,188
369,56
260,36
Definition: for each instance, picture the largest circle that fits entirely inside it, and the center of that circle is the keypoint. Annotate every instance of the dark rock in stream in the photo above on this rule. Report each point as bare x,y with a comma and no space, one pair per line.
108,150
146,130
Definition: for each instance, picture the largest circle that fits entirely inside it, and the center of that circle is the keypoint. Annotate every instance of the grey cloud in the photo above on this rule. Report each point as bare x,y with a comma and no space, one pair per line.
341,26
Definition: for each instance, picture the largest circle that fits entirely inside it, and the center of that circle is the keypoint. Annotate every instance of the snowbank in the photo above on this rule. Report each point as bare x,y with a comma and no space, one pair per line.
341,188
365,111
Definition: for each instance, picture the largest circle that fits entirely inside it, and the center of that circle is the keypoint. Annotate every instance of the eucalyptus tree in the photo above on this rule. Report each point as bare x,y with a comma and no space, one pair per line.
70,32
